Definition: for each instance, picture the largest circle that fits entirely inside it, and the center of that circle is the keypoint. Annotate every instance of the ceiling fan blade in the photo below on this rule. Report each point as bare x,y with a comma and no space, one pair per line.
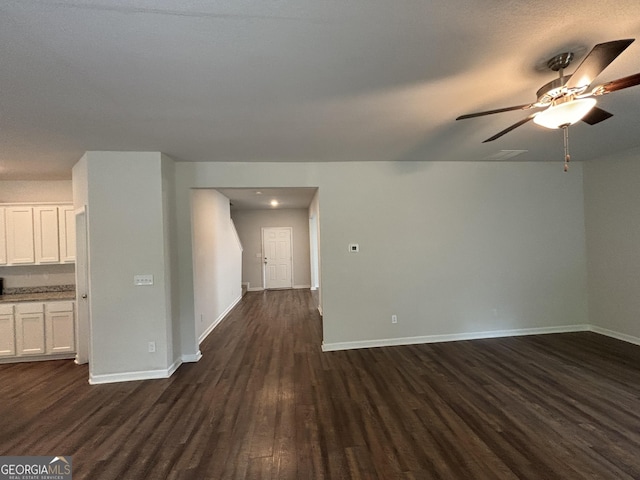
499,110
512,127
596,115
619,84
596,61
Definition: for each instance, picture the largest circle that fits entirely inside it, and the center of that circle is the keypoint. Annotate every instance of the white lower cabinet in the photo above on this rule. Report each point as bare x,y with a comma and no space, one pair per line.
30,328
34,329
7,331
59,327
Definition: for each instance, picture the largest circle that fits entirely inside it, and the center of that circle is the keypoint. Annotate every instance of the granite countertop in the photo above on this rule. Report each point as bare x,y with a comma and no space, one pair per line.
38,294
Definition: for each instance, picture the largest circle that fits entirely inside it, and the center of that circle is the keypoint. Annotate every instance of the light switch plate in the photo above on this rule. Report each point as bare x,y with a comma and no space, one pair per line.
143,280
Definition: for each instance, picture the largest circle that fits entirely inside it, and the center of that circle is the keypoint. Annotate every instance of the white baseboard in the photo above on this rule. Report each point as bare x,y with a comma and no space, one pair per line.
174,366
129,376
191,358
218,320
260,289
619,336
391,342
141,375
38,358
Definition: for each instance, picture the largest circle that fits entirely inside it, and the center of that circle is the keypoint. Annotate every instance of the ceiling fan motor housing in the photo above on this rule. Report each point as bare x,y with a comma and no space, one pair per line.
562,60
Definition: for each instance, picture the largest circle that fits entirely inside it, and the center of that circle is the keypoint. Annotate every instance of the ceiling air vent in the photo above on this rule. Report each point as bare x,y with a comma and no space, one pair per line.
504,155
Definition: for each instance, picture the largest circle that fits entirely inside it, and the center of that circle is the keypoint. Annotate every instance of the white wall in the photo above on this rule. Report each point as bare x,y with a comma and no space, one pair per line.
249,224
612,206
35,191
217,259
451,248
127,237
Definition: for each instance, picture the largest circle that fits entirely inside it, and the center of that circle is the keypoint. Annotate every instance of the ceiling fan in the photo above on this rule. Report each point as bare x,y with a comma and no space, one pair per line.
569,98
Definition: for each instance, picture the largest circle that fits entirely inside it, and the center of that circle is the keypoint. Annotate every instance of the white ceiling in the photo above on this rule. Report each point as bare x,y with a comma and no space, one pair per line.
296,80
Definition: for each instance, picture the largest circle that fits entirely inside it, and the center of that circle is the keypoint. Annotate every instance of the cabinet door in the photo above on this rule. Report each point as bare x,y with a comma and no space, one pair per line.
60,327
3,238
19,228
67,227
7,336
30,333
46,234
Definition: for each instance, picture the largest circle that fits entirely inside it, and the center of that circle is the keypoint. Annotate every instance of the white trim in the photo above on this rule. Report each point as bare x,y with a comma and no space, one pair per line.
218,320
191,358
129,376
38,358
619,336
174,366
261,289
390,342
320,310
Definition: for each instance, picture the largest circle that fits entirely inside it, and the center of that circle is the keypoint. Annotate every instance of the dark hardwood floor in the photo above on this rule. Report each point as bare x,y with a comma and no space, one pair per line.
265,402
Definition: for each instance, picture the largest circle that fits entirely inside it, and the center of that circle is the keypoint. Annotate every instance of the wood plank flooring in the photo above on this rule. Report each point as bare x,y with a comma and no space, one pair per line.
265,403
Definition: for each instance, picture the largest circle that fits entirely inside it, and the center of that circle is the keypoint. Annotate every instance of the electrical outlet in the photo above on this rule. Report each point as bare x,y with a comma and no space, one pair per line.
394,319
152,347
143,280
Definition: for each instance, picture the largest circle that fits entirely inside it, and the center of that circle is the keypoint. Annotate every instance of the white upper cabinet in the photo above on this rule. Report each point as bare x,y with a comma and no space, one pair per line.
3,238
37,234
67,227
46,237
20,238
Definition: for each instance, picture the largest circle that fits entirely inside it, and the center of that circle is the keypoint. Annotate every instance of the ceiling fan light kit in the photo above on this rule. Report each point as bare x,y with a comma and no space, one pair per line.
567,99
565,113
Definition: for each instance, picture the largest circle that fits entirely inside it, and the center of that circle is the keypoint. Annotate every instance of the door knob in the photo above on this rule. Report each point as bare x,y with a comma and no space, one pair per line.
84,296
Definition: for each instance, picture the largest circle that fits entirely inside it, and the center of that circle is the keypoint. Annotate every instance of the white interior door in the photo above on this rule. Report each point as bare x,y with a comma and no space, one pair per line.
278,258
83,331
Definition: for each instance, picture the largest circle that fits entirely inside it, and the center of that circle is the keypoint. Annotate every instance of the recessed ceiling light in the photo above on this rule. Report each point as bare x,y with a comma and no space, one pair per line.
274,203
258,192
